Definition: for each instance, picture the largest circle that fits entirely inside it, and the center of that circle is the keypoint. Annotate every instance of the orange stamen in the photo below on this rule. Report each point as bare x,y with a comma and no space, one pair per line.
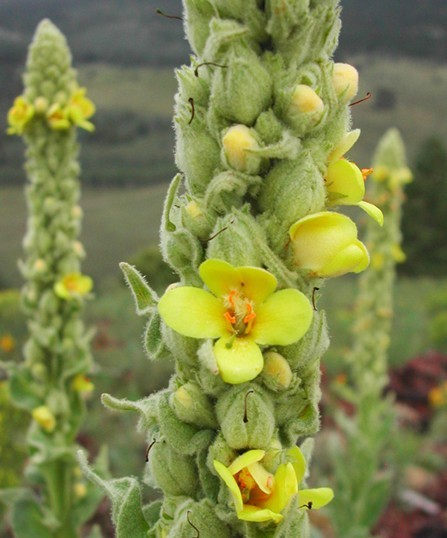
230,317
231,297
366,172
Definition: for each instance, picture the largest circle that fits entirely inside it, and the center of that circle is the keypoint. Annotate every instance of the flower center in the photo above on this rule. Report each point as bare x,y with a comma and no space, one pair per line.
250,491
239,313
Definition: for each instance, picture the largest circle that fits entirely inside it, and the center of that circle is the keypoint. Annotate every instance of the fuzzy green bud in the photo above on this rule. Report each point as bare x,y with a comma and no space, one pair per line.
277,373
345,78
193,407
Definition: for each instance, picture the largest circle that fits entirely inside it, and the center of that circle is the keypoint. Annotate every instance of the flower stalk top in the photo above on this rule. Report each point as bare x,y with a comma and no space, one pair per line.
242,312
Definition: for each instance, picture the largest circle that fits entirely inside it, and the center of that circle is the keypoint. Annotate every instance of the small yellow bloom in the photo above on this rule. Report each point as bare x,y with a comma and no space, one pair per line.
7,343
397,253
326,245
345,78
80,490
58,118
19,115
82,383
80,109
437,396
44,417
260,496
305,100
238,143
193,209
244,313
277,369
73,285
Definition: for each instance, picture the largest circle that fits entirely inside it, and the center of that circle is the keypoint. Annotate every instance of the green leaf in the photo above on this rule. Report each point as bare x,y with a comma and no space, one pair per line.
24,391
145,297
153,339
27,520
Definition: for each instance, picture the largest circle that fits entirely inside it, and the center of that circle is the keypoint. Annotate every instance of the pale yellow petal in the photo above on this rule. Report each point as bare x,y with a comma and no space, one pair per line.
246,459
373,211
239,359
229,480
286,485
319,497
261,476
255,514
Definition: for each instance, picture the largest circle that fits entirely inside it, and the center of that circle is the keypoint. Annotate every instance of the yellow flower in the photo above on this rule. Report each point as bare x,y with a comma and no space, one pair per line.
238,143
57,117
73,285
326,245
19,115
7,343
305,100
244,312
345,78
437,396
80,109
261,496
82,383
44,417
345,182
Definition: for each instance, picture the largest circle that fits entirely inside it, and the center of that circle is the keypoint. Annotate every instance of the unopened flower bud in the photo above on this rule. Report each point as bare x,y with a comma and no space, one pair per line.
305,100
237,143
346,81
79,490
41,105
192,406
277,373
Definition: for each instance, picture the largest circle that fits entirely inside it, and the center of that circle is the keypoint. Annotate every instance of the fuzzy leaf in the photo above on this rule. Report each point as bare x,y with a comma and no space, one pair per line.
27,520
144,296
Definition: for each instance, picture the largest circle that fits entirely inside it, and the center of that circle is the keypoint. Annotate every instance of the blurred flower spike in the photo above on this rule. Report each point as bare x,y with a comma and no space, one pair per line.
260,496
72,286
19,116
326,245
244,313
345,182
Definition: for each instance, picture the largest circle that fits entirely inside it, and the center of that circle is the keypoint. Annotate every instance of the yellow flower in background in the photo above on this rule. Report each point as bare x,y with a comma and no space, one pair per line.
73,285
326,245
19,115
57,118
244,313
44,417
260,496
80,109
7,343
438,395
81,383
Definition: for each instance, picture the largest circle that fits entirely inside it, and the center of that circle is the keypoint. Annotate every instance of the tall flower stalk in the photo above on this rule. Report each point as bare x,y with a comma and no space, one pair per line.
261,120
363,481
51,383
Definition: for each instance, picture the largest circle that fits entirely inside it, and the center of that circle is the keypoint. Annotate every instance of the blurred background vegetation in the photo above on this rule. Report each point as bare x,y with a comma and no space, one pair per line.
125,54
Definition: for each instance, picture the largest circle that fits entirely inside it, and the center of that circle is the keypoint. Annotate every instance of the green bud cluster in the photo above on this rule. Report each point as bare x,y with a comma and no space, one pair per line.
258,114
364,487
51,381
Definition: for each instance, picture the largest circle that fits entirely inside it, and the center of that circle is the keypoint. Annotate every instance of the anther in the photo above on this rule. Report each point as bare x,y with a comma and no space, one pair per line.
366,172
313,298
230,318
193,110
160,12
192,524
196,70
146,459
251,391
368,96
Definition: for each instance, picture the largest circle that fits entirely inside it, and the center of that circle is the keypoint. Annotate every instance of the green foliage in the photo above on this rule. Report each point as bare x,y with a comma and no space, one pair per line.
149,262
424,224
437,305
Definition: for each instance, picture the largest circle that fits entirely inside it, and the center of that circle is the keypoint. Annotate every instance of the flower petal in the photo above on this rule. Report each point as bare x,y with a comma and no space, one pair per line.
221,277
285,487
238,359
353,258
193,312
246,459
261,476
229,480
282,319
296,458
344,183
373,211
255,514
319,497
344,145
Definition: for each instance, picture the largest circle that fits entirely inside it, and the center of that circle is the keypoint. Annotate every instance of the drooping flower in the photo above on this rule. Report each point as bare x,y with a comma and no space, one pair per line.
260,496
326,245
345,182
244,313
44,417
73,285
80,109
19,115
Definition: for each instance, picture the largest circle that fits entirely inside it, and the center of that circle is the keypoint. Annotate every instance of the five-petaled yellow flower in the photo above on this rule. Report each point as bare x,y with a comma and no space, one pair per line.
57,117
73,285
244,313
261,496
19,115
80,109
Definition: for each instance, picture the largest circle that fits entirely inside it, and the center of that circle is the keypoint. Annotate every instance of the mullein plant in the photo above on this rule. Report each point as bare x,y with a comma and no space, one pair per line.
51,383
262,124
362,479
